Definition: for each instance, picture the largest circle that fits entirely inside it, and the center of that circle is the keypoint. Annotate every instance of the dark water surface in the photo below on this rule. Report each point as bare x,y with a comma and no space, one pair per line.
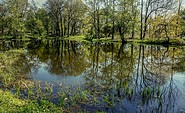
132,78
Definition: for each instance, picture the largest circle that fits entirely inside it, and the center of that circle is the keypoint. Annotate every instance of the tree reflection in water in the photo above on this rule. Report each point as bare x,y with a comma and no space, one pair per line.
62,58
123,78
139,77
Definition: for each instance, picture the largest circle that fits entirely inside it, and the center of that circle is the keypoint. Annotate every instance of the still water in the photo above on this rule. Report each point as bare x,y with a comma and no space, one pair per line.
133,78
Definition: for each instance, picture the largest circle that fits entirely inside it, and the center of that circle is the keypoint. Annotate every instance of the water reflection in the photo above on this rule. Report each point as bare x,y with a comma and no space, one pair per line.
14,44
63,58
126,78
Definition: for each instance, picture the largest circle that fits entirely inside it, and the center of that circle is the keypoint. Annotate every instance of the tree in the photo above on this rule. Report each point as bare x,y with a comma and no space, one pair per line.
17,12
92,14
54,8
182,22
3,14
45,22
124,18
113,18
106,13
134,13
74,13
36,20
94,18
148,8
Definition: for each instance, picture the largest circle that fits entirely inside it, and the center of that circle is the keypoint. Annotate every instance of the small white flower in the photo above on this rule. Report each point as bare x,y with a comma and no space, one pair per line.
65,99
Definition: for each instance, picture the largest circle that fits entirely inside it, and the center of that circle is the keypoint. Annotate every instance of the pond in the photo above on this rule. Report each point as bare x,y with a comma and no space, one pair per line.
123,78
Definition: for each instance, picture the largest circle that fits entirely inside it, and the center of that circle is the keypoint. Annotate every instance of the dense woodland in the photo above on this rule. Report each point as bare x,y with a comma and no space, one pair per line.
93,18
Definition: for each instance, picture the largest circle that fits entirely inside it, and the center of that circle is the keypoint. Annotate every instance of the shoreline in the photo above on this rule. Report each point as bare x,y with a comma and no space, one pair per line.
172,42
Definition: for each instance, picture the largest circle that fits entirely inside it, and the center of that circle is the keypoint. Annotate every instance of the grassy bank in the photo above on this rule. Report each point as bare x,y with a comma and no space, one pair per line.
10,103
154,41
176,41
107,40
82,38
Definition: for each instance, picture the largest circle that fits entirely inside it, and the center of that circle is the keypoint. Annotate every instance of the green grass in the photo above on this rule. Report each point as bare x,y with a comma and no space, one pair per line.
106,40
10,103
176,41
79,38
10,61
83,38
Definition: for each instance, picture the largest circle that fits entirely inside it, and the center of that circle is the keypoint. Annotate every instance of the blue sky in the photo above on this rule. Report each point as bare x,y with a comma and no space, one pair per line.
38,2
41,2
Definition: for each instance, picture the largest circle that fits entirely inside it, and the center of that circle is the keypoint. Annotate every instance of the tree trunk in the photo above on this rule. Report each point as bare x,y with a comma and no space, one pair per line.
57,28
166,33
113,29
61,25
141,21
73,29
64,26
144,31
106,28
2,30
133,30
94,19
133,21
68,25
98,22
121,34
179,9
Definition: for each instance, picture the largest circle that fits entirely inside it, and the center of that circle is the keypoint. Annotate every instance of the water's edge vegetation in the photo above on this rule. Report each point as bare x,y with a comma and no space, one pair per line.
81,38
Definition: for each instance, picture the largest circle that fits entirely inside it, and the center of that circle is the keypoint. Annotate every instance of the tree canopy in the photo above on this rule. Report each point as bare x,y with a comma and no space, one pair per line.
93,18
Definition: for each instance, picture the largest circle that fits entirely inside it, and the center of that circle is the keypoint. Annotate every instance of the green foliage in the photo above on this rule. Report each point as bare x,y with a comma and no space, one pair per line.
42,106
8,66
165,28
80,38
182,22
34,24
16,9
124,17
160,41
11,103
94,19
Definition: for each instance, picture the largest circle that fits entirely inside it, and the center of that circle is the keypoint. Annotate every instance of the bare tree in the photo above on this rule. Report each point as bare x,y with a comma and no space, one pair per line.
149,7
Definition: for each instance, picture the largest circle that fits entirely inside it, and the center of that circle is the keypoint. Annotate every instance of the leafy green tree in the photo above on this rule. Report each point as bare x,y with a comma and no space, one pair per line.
34,22
55,8
182,22
124,18
73,16
3,14
44,19
17,11
93,18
